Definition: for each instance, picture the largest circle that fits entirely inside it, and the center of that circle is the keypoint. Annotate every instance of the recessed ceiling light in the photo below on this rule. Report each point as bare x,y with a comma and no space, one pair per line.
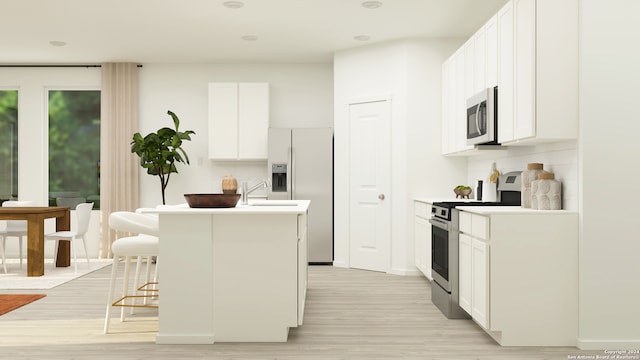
57,43
362,37
250,38
371,4
233,4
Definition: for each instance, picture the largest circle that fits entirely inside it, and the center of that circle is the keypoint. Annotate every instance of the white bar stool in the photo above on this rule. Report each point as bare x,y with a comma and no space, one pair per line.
144,245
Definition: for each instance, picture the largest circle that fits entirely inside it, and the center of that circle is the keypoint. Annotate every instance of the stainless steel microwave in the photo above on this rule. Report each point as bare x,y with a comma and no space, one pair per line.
482,117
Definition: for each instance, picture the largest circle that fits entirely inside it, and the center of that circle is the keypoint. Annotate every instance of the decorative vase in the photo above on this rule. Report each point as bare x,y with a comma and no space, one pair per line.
546,192
229,184
528,176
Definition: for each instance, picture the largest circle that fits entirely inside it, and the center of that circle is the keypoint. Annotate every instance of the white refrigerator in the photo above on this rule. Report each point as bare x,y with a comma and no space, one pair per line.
300,166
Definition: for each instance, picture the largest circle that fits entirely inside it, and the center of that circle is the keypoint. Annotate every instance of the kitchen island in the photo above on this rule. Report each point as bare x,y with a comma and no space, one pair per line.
232,274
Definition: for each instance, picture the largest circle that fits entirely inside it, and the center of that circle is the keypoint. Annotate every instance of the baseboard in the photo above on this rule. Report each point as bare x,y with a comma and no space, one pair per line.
184,339
406,272
340,264
610,345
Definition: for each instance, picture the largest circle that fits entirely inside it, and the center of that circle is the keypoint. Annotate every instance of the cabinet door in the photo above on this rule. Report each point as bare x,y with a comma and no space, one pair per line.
465,273
447,84
303,263
505,73
480,63
469,68
480,282
223,121
491,49
253,120
421,233
460,103
525,71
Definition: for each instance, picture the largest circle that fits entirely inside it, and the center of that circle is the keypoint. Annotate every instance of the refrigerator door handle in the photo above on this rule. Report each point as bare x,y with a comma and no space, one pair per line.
292,162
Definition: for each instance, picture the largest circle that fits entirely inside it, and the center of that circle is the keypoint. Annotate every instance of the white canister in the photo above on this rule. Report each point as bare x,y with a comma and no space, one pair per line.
489,191
546,192
528,176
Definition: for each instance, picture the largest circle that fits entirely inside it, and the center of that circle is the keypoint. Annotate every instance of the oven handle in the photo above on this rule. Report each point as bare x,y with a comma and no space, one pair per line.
444,225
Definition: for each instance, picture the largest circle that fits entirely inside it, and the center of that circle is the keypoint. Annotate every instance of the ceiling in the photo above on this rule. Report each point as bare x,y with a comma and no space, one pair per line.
205,31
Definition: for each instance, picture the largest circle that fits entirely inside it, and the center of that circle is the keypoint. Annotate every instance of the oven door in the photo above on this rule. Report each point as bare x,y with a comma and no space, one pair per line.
440,252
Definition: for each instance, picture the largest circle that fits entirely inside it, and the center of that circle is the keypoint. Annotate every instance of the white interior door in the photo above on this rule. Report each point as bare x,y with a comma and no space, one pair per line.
370,184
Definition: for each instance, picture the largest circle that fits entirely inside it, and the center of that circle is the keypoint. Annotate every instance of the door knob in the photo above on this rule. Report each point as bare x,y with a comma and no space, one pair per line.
381,196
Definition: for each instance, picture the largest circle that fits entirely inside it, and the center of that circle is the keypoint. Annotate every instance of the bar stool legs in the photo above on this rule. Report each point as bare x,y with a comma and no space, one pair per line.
129,248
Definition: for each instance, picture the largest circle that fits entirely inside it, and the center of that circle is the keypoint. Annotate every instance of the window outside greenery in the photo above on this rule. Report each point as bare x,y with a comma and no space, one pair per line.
8,145
74,145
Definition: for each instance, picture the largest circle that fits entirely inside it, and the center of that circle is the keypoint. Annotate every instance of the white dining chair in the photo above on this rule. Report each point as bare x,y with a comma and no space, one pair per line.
83,215
14,228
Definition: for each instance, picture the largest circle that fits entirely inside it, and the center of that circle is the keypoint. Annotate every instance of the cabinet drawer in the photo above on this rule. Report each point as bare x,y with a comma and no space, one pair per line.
422,210
480,227
465,222
474,225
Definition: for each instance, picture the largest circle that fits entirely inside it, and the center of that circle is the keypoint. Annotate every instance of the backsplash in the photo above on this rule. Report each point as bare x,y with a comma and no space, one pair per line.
559,158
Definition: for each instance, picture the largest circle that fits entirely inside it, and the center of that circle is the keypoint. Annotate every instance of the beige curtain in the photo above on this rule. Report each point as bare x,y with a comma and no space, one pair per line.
118,166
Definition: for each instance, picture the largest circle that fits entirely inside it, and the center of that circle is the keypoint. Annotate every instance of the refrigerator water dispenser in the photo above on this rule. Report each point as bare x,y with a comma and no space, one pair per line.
279,177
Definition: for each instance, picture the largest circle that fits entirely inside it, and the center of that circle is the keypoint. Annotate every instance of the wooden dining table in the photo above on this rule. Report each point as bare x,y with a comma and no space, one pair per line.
35,216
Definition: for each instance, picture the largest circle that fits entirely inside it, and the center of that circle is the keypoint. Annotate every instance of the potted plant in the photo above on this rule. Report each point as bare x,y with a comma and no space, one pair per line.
160,151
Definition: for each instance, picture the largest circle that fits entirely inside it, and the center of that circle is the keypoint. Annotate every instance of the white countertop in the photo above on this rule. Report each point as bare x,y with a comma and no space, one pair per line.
489,210
254,207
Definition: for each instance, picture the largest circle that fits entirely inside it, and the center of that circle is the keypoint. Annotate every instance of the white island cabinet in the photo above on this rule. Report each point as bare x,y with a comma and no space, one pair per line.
232,275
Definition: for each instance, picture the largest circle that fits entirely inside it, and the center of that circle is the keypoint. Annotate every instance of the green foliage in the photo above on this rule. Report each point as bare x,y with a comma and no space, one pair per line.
74,141
160,151
8,144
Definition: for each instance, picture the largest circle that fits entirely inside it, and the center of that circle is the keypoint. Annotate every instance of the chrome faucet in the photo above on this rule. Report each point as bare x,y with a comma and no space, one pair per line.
246,189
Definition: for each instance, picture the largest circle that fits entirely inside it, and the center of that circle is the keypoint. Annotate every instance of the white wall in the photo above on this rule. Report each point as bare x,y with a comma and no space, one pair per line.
33,135
408,71
609,126
559,158
300,96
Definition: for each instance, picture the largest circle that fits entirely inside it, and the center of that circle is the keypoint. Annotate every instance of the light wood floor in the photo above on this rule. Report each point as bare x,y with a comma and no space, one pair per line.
350,314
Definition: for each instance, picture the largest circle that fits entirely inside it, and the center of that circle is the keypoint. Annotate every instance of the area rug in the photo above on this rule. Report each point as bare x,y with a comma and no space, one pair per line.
11,302
17,279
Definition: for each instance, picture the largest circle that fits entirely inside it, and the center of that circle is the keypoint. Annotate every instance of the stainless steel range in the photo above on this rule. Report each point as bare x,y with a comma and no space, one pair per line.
444,259
444,244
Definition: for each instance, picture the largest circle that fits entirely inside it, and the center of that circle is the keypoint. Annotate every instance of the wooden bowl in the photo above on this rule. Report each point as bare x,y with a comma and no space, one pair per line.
212,200
462,193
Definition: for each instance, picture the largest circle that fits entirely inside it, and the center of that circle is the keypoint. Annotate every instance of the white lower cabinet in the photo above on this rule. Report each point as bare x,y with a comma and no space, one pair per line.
464,272
518,274
422,238
480,282
473,271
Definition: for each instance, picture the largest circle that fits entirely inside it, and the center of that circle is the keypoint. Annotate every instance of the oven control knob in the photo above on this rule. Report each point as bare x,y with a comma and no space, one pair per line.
381,196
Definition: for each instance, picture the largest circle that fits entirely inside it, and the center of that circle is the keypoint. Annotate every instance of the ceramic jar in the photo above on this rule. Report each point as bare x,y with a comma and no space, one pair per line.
546,192
528,176
229,184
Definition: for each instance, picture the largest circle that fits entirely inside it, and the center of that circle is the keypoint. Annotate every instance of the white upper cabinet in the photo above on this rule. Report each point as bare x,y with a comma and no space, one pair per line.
505,73
491,52
238,121
529,49
454,104
470,70
542,104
